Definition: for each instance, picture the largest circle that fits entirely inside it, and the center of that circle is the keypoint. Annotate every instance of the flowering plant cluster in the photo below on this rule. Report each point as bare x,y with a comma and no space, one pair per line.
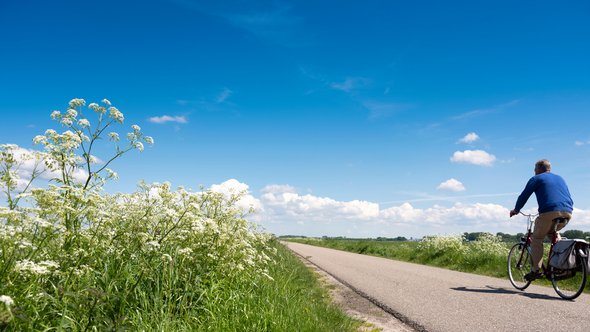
455,251
74,257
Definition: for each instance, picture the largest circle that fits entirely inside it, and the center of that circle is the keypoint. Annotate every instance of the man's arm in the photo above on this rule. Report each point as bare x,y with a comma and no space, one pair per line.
529,189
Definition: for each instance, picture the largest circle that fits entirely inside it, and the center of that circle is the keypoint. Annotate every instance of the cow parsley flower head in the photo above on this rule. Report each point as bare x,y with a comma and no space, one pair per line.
31,268
153,245
139,146
50,132
67,122
116,114
185,251
106,102
72,113
136,128
7,300
76,102
56,115
114,137
111,174
84,123
39,139
149,140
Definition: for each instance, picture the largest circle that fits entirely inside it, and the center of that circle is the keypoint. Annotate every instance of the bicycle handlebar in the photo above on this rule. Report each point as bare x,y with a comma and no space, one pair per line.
529,215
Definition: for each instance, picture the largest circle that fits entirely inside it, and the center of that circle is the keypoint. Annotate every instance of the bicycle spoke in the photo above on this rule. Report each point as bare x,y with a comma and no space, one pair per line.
569,284
519,264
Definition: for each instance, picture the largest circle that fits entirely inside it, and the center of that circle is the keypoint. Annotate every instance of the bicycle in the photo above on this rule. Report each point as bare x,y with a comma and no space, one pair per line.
568,284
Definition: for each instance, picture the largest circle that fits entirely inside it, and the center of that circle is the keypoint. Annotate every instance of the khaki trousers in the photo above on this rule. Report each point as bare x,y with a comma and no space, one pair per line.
543,227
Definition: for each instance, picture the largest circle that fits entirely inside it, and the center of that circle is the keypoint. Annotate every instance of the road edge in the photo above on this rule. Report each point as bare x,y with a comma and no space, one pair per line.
399,316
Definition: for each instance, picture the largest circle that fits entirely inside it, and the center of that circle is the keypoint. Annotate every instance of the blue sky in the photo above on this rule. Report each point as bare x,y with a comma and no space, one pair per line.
340,118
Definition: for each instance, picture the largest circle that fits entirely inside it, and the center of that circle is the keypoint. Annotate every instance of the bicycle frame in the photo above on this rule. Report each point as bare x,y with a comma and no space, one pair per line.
527,240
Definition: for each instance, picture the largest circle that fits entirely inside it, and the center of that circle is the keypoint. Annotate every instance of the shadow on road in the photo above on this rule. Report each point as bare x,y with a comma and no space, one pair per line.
495,290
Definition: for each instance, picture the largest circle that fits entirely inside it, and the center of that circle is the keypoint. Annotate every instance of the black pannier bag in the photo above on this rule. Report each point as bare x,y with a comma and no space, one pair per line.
565,252
564,255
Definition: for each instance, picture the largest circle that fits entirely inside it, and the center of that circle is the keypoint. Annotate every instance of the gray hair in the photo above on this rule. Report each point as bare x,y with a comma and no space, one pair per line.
543,165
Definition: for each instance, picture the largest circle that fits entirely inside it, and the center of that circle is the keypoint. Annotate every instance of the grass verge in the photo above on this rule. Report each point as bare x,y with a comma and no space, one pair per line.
293,301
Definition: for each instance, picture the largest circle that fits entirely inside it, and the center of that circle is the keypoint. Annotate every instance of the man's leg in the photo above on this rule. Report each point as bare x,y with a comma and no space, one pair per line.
543,226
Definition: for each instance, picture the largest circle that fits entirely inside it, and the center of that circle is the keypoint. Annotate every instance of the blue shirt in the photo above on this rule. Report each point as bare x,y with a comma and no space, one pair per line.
551,191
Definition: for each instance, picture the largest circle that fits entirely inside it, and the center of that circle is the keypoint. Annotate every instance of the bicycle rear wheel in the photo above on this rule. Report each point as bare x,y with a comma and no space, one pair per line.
520,263
569,284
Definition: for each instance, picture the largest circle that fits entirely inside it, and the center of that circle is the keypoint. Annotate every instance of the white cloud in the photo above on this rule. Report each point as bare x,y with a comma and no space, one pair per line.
285,211
469,138
167,118
379,109
476,157
282,201
453,217
486,111
580,143
233,187
350,84
451,185
279,188
224,95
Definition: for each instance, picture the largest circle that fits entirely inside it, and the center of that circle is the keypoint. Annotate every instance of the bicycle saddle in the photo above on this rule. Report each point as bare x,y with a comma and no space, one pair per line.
561,220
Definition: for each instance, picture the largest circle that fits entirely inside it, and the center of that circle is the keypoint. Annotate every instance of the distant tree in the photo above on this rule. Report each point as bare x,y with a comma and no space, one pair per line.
509,237
472,236
575,234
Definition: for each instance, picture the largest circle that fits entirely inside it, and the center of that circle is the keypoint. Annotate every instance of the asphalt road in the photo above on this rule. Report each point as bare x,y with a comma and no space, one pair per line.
434,299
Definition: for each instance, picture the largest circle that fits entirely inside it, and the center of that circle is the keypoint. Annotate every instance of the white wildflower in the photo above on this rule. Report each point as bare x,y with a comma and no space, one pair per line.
39,139
67,122
42,268
55,115
114,137
185,251
153,245
116,114
24,244
7,300
76,102
136,128
42,223
70,136
131,137
84,123
72,113
93,106
166,257
106,102
139,146
149,140
111,174
50,132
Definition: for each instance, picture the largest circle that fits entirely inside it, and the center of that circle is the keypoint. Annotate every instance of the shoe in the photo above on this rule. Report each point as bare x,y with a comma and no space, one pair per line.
533,275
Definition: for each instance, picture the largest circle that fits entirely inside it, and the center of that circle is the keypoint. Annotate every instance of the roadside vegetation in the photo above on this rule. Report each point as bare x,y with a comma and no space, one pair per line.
480,253
75,258
486,256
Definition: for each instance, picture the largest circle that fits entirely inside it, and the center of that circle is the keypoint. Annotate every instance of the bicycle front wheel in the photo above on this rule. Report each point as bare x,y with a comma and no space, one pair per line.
569,284
520,263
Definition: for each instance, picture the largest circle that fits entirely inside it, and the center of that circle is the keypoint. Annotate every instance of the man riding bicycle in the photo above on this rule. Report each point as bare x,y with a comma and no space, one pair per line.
554,200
